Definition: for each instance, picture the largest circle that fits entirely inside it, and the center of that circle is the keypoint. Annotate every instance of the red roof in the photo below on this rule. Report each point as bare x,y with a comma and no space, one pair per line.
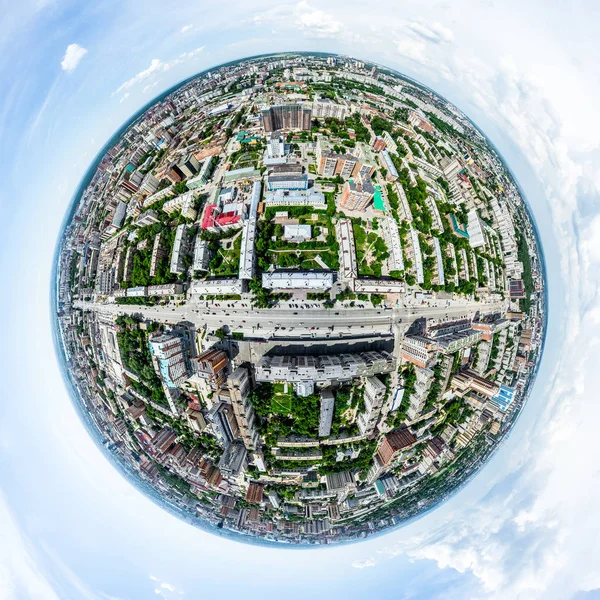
208,218
227,218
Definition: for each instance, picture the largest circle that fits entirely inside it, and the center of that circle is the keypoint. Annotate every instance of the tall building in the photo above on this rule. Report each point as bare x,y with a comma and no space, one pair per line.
324,107
374,396
476,230
357,195
286,116
180,249
326,414
169,352
468,380
275,145
211,366
419,351
393,443
189,165
239,385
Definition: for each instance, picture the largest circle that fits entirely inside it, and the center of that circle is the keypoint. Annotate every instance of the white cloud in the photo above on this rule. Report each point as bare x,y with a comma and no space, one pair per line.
435,32
150,86
157,66
20,575
72,57
164,589
315,22
124,97
311,21
364,564
186,28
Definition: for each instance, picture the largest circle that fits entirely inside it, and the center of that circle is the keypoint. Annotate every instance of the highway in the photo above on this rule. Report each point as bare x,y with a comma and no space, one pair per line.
293,322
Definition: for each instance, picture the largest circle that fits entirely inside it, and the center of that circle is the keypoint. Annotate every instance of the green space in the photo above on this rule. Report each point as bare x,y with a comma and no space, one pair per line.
140,273
525,259
271,248
136,357
281,401
225,262
371,250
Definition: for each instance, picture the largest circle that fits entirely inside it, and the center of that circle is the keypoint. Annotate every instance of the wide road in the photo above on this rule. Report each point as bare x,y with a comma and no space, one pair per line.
293,323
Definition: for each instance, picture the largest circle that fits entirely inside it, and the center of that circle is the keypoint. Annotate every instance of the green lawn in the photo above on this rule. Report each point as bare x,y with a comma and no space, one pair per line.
281,402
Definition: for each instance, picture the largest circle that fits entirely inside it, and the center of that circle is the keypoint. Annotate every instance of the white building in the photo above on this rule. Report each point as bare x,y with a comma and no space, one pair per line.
275,145
297,233
297,280
219,287
347,248
475,229
296,198
201,254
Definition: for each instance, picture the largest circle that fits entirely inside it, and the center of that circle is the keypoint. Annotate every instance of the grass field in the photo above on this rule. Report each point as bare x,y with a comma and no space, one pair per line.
281,402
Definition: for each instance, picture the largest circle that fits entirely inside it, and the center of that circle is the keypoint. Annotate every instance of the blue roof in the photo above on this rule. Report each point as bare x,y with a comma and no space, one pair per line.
457,228
504,397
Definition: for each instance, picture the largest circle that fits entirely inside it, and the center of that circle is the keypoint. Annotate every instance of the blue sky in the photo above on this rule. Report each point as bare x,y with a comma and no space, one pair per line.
525,527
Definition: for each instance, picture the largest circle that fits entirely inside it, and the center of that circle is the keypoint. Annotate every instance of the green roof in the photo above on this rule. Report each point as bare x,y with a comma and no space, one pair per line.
378,202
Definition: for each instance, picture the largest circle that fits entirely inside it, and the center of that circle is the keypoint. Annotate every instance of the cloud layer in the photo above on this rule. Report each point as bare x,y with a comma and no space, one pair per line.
73,55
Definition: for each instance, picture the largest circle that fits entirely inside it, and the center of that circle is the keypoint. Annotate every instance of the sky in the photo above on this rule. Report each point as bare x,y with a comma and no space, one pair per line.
526,526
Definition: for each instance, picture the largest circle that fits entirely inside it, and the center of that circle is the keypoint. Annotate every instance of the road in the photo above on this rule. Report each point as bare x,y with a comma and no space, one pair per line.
293,323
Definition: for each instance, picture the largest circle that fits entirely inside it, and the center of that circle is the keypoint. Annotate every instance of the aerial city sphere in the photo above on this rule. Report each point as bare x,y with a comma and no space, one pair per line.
299,299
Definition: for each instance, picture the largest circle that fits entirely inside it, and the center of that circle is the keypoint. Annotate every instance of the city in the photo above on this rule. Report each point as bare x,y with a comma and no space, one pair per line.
302,298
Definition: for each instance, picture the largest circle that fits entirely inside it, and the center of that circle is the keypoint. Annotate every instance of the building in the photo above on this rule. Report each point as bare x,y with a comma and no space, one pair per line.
374,396
297,233
468,380
206,169
158,252
371,285
476,230
291,181
323,367
233,460
254,495
504,397
189,165
378,144
211,366
286,116
186,203
275,145
163,441
298,280
180,250
219,287
240,386
326,412
357,195
308,197
150,217
419,351
165,289
347,248
169,352
454,335
246,268
390,144
324,107
388,164
393,443
245,174
201,254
